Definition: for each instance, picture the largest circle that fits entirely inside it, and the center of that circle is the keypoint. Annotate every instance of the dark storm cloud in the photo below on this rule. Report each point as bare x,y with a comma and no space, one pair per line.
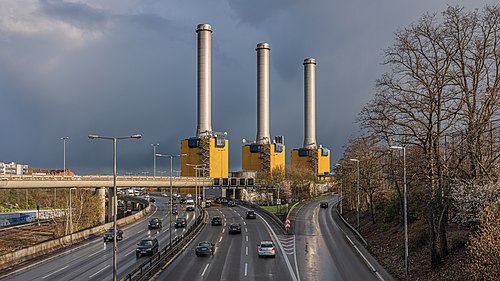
71,68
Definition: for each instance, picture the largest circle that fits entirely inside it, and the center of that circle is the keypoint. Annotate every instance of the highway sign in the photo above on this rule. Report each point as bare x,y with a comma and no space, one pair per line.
278,201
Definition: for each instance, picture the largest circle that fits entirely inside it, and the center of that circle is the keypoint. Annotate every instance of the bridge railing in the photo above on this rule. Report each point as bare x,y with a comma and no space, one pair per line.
166,255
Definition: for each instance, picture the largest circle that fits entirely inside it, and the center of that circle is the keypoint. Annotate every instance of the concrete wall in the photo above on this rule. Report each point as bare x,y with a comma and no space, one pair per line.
47,247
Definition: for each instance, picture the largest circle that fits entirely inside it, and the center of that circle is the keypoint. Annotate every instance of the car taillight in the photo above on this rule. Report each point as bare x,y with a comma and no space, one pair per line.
273,249
260,249
239,228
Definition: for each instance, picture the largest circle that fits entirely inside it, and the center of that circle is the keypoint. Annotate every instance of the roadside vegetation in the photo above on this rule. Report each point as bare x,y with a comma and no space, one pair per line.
439,100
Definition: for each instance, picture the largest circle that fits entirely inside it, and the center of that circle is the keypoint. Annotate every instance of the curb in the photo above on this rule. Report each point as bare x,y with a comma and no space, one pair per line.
350,226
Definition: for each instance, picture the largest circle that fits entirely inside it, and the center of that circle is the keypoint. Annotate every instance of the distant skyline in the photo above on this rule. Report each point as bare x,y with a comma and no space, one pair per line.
73,68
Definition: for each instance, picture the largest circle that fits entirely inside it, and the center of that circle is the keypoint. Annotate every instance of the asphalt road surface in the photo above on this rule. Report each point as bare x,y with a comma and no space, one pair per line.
93,259
235,255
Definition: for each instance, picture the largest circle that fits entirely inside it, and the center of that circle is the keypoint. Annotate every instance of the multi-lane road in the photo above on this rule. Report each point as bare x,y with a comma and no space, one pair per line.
93,260
321,249
235,255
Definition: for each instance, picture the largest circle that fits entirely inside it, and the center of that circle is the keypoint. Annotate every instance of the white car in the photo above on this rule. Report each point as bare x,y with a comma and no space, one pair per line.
266,249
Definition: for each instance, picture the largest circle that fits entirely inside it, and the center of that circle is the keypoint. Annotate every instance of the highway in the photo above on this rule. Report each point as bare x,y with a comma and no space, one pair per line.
93,259
235,256
323,251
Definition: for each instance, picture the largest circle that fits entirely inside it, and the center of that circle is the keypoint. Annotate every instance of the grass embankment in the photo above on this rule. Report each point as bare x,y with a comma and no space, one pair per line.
279,210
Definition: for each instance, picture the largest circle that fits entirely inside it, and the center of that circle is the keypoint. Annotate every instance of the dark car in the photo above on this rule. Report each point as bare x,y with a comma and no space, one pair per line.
231,204
180,222
234,228
147,246
175,211
152,200
323,205
223,201
251,215
204,248
108,236
216,221
208,204
154,223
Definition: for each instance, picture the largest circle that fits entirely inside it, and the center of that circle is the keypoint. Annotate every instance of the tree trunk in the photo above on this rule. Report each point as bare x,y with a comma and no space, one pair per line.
371,208
443,243
435,260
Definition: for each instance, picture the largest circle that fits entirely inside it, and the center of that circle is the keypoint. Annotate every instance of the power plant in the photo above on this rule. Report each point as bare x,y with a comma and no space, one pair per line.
263,155
310,155
206,154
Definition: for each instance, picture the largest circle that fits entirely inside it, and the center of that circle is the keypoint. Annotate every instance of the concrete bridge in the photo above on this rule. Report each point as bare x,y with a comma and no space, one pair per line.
30,182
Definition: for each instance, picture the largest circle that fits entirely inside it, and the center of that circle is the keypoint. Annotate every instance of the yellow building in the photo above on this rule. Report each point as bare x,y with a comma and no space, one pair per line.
211,152
317,159
263,157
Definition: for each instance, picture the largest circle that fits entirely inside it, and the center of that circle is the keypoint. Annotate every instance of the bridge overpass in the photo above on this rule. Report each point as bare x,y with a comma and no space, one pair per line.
33,182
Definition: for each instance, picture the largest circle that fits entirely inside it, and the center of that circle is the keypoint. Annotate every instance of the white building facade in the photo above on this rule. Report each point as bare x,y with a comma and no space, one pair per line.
13,169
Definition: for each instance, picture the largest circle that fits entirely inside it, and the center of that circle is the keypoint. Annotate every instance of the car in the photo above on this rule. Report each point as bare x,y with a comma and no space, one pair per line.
323,204
208,204
190,207
216,221
164,194
266,249
251,214
234,228
108,236
231,204
223,201
180,222
205,248
147,246
154,223
175,211
152,200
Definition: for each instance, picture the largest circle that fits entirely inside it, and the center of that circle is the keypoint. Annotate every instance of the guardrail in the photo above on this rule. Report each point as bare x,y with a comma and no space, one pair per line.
165,255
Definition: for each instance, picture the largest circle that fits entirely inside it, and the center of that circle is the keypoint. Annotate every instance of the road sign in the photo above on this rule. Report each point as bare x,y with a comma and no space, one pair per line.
278,201
203,204
287,223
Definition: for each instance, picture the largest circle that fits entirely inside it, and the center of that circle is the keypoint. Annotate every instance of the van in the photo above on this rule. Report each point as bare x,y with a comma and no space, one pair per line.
190,205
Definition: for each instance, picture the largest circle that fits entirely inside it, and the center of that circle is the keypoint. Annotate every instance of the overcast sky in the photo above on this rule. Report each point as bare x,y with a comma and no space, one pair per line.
120,67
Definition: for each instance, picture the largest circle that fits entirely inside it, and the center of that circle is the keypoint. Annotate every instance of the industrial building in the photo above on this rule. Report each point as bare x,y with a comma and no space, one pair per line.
206,155
312,156
263,155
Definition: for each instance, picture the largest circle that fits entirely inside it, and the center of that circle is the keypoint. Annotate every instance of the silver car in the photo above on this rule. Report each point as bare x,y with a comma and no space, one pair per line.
266,249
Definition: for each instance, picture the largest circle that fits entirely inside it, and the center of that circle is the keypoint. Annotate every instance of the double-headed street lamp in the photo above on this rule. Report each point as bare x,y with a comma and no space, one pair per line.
154,145
171,200
338,165
115,201
357,190
404,204
196,169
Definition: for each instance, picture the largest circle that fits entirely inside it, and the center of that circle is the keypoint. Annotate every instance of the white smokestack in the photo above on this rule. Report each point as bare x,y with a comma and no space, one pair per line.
310,103
263,136
204,126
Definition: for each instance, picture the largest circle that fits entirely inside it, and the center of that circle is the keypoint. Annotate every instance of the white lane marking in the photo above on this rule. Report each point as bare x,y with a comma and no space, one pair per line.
246,238
225,219
245,223
246,269
223,230
54,272
220,239
246,251
223,215
225,224
246,229
295,258
129,253
205,270
140,231
91,255
98,271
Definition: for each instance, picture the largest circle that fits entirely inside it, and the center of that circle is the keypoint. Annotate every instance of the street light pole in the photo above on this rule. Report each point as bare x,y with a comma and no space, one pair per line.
341,182
171,195
71,216
64,152
357,191
114,206
154,145
404,204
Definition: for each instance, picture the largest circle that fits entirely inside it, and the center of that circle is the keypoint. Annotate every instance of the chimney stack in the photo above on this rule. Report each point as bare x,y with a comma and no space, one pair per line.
263,136
310,103
204,126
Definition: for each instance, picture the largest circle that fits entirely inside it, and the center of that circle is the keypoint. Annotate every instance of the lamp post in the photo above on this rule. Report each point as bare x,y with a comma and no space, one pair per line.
404,204
196,168
357,190
171,201
115,203
71,216
154,145
64,139
341,182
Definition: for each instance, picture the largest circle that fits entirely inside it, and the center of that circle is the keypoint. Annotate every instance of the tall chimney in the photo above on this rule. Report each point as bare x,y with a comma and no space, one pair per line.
263,50
310,103
204,126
